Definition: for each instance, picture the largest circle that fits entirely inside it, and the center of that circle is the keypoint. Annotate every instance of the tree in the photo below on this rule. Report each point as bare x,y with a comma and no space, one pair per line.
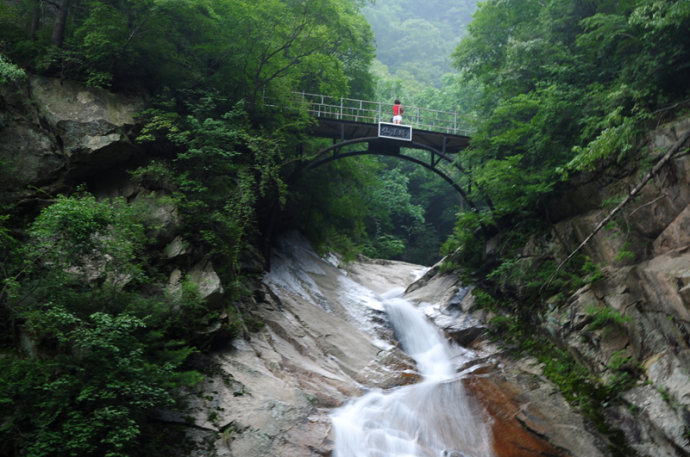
60,23
564,84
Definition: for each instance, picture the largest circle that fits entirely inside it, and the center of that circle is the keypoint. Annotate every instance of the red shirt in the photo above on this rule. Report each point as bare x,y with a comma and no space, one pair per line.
397,110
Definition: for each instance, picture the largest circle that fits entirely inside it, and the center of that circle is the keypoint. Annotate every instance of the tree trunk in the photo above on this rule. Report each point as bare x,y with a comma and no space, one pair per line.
35,19
60,22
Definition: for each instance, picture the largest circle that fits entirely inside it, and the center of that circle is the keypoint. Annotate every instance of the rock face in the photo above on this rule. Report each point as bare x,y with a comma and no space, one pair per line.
273,394
641,301
62,131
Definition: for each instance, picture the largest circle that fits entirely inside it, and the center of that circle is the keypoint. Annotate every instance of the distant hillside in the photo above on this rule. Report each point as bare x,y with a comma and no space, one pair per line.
418,36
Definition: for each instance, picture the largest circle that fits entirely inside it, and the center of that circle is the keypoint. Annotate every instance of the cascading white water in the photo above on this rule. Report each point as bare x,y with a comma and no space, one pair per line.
434,418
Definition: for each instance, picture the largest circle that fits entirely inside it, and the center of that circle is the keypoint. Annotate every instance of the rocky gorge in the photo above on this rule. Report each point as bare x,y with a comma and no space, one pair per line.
273,391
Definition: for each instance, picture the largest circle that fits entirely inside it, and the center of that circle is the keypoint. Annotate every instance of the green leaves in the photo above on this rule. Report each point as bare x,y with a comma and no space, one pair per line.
88,238
9,71
94,395
510,186
391,203
100,354
617,138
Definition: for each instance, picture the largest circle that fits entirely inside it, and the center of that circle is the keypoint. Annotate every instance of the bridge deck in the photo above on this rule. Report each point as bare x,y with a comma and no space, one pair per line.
348,130
349,119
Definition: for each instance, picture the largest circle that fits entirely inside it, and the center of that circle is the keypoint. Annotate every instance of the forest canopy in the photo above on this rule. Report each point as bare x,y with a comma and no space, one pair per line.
238,47
563,85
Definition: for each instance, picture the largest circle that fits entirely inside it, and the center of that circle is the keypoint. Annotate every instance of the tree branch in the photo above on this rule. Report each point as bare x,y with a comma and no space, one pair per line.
664,160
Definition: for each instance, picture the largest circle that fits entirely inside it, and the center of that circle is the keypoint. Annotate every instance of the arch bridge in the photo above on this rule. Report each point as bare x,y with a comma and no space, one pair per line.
351,122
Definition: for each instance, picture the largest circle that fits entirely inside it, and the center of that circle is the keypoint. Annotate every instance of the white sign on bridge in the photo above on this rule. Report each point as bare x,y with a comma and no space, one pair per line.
395,131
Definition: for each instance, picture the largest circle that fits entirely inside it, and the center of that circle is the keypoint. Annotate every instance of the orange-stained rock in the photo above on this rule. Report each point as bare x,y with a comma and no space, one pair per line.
511,437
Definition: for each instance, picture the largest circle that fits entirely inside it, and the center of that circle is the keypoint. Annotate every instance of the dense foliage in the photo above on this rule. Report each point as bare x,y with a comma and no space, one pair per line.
241,48
564,84
370,209
98,357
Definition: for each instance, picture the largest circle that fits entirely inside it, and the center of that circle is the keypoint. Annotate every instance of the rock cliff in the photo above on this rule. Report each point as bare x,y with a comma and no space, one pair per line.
629,326
645,266
56,134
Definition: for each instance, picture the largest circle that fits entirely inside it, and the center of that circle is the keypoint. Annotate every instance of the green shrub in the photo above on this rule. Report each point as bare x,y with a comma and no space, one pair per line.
100,356
606,317
9,72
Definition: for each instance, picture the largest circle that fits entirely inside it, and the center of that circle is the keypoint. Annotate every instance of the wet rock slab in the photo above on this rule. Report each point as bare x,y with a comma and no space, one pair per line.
272,395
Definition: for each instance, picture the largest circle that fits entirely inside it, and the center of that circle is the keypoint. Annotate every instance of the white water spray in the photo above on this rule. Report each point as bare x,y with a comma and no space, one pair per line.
434,418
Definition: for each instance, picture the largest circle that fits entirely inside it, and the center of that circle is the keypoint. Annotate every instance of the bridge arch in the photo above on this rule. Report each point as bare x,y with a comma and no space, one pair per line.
386,147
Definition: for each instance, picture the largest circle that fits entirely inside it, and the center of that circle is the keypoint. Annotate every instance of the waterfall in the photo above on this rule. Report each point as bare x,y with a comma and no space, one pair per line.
433,418
349,315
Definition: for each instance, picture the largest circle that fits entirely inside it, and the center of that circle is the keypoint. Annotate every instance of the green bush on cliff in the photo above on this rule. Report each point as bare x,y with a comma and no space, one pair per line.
99,356
604,317
220,171
626,372
9,71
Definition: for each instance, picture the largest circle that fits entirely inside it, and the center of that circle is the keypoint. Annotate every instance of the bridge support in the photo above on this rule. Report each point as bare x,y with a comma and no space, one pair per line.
385,147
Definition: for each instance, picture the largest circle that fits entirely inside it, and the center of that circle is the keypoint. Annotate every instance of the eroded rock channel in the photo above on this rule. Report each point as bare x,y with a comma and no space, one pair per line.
328,343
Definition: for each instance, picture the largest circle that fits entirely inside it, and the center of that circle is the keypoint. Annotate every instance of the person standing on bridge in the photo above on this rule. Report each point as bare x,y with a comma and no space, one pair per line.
397,112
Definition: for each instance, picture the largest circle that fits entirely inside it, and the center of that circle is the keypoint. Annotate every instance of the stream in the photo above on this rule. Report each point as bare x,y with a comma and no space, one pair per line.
433,418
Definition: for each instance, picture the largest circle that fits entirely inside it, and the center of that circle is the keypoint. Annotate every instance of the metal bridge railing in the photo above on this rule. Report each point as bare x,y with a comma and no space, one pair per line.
348,109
